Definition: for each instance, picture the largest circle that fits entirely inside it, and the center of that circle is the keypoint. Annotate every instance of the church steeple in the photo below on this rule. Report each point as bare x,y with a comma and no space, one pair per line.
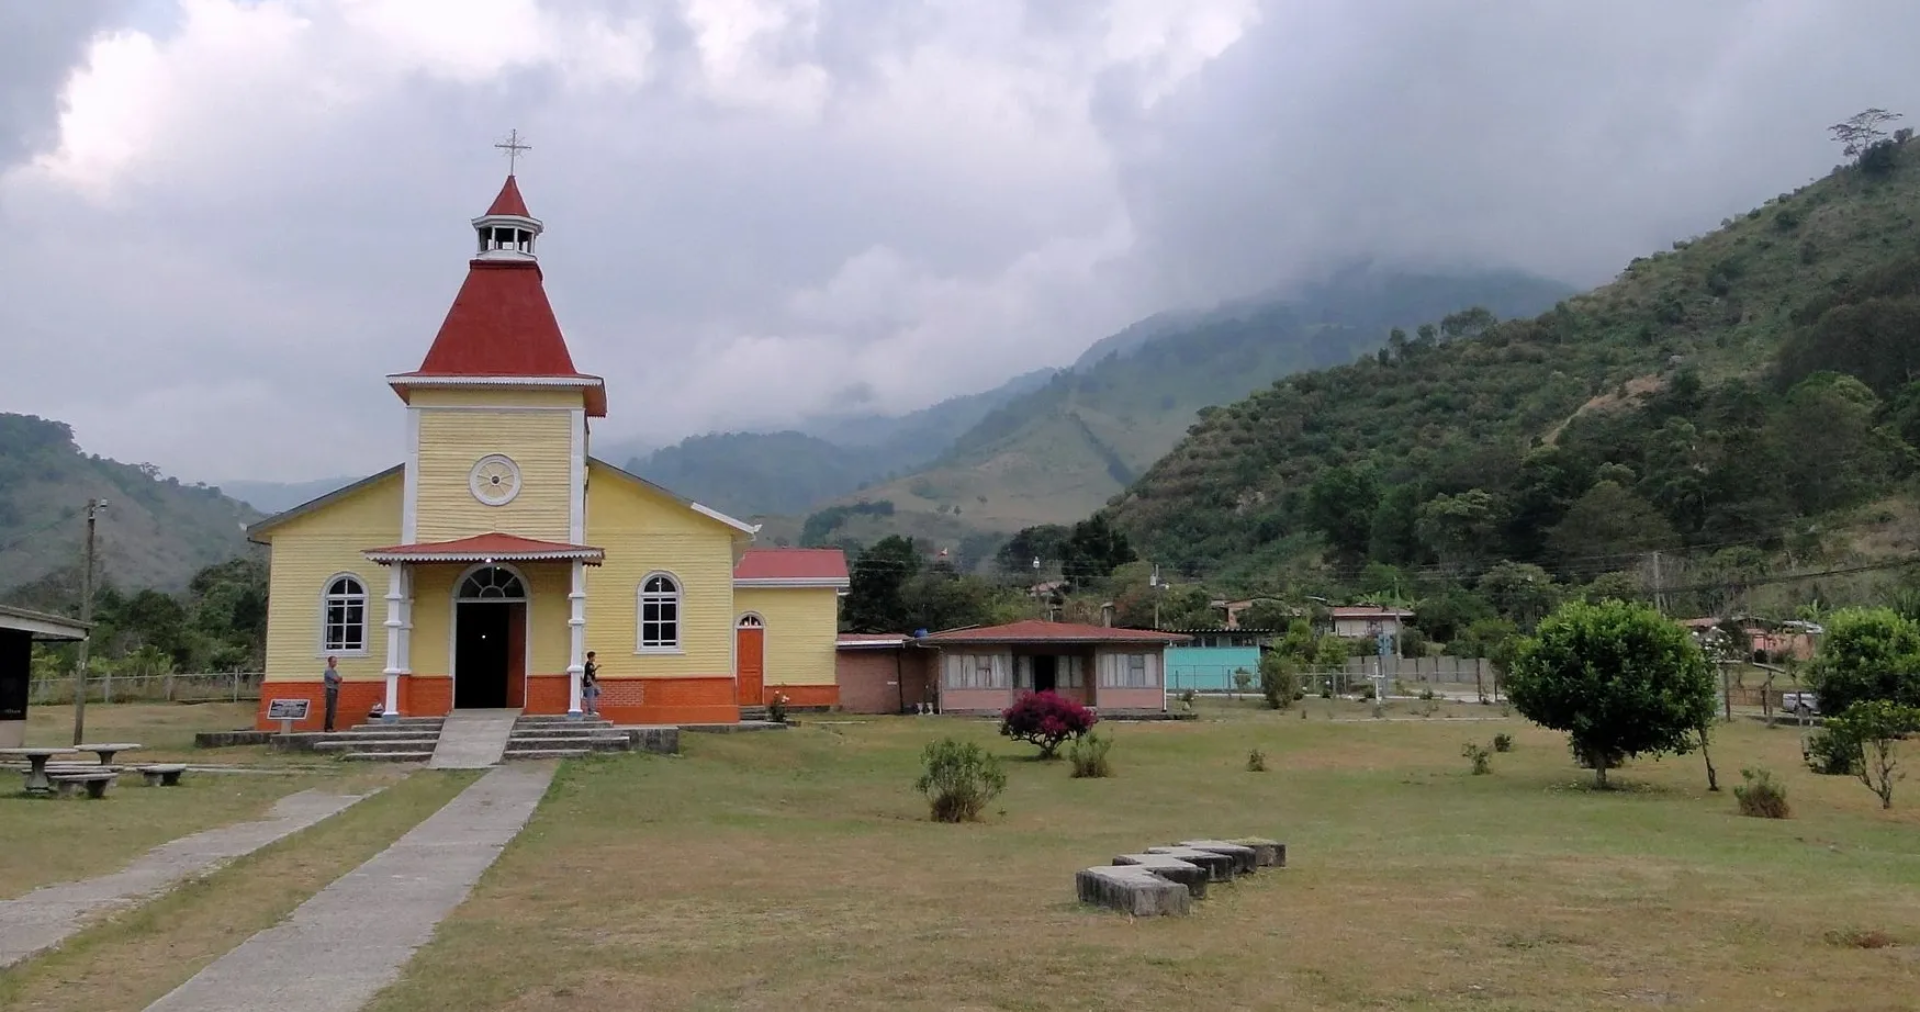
507,231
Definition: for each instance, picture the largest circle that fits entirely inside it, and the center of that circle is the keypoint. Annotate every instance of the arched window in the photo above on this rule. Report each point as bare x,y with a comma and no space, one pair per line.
751,621
492,583
343,616
659,613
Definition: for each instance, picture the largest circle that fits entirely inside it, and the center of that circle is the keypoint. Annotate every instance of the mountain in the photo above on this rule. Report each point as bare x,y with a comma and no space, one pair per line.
1061,451
824,457
272,496
1746,392
155,532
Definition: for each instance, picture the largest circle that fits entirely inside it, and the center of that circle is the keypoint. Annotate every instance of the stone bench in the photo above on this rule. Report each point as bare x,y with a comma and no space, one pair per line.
1171,868
69,784
1220,867
162,774
1266,853
1245,860
1133,889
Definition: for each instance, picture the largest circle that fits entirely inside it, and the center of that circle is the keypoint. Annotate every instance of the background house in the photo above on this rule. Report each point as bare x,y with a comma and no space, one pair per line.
1207,661
1112,670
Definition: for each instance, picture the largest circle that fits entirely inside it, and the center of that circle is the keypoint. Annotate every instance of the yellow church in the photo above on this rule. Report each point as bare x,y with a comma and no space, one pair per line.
480,571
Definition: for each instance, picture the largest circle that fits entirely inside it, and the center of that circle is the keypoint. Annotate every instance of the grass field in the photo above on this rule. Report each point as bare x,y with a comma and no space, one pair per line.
798,870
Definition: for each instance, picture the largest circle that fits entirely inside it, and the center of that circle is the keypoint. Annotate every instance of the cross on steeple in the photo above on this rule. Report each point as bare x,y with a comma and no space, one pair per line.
513,147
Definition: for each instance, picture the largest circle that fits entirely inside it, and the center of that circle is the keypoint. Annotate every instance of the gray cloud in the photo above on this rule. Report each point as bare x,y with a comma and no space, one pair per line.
39,43
257,211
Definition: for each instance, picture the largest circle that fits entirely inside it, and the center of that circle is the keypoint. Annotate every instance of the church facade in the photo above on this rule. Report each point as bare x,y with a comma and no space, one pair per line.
480,571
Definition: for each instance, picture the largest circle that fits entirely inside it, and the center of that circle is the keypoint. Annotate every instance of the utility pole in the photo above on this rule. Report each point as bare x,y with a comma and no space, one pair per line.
94,506
1659,595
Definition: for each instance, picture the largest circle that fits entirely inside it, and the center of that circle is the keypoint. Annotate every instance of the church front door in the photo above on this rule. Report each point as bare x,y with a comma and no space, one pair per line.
750,656
483,662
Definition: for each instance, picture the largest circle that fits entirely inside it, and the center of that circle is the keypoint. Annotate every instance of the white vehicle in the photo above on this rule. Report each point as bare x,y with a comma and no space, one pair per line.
1803,703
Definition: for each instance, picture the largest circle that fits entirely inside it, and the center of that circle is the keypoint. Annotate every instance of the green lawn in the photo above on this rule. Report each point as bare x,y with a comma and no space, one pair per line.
798,870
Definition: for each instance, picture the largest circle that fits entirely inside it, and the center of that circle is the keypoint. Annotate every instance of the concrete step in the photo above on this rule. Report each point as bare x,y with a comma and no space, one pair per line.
371,744
603,743
387,757
545,753
562,722
409,723
565,731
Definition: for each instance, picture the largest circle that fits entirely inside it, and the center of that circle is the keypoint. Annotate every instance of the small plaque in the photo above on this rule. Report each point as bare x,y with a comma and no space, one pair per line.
288,709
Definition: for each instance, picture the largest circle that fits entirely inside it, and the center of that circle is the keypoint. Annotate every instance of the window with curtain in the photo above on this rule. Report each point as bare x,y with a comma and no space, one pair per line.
343,618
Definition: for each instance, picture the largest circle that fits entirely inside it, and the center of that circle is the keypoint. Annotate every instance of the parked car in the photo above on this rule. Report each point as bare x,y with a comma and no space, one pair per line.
1804,703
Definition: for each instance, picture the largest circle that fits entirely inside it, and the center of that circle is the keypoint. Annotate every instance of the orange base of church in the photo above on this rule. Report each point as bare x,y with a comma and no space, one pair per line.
809,696
696,700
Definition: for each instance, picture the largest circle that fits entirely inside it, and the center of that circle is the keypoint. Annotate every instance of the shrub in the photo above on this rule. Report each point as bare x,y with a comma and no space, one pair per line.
1503,742
1186,699
1088,754
1242,680
1426,694
959,779
1480,755
1828,755
1256,761
777,708
1277,682
1760,797
1046,720
1870,730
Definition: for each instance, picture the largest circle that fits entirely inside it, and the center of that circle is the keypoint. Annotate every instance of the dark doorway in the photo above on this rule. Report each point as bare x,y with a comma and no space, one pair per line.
482,654
1046,670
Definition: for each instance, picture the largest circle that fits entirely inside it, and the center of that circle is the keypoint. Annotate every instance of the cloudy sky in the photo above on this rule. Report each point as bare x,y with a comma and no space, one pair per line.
225,220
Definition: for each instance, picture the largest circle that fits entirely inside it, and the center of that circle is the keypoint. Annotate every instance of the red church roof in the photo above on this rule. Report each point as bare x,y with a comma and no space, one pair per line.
1034,630
492,547
509,202
501,326
792,567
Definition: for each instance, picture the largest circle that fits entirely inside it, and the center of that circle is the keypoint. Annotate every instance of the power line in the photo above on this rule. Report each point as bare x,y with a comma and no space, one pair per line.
36,532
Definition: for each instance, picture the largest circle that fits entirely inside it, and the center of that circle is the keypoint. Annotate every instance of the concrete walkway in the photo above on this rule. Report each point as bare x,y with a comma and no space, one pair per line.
338,949
473,739
45,917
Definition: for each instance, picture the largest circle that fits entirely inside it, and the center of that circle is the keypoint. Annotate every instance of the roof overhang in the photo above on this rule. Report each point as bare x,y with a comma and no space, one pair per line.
41,626
471,550
404,383
882,643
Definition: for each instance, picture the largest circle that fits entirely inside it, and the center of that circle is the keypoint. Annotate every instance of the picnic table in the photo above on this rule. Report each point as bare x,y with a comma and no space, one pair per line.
37,781
108,750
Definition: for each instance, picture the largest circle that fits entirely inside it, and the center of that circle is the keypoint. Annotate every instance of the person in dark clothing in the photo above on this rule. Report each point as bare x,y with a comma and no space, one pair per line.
331,679
590,687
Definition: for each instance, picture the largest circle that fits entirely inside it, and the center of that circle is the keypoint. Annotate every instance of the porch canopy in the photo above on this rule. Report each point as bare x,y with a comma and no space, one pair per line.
19,630
489,548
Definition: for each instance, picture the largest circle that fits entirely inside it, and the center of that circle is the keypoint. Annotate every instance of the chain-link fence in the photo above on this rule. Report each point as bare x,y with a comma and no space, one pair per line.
233,686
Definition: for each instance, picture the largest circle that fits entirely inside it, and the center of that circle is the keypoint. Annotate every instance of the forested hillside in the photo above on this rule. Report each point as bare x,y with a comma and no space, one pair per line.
1743,398
1059,452
155,532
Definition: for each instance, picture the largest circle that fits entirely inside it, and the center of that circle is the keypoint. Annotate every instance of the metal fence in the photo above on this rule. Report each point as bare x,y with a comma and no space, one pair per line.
1459,672
233,686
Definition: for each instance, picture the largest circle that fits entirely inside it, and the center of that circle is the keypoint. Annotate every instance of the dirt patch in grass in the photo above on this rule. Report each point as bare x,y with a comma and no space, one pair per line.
130,962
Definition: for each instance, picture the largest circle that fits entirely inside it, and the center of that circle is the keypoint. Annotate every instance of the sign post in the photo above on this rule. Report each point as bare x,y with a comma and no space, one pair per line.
1383,645
286,711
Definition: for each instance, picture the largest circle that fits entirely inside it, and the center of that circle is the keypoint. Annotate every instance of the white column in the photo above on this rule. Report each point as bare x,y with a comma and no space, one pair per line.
577,637
395,576
406,620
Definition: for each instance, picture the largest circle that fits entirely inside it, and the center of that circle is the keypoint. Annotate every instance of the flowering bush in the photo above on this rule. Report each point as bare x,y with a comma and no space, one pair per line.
777,708
1046,720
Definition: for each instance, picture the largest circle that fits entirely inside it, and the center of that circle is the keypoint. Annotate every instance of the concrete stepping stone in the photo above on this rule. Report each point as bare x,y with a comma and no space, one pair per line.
1219,866
1245,861
1133,889
1172,868
1266,853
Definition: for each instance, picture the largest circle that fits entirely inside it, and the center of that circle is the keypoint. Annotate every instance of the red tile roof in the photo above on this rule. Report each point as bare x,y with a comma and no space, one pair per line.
509,202
484,547
1034,630
1369,611
792,564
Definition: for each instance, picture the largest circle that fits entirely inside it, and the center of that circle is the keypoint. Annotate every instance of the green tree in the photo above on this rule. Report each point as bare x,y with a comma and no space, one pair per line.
1621,681
1609,521
1870,729
1393,535
1520,591
1266,613
1341,504
1866,654
1459,528
1093,551
874,602
1858,133
1827,444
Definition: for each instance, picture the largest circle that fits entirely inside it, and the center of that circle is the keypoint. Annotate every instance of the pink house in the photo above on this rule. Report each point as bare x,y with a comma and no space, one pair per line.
981,670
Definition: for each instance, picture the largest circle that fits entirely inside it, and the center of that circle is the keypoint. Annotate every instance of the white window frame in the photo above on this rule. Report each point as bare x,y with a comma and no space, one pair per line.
677,598
328,600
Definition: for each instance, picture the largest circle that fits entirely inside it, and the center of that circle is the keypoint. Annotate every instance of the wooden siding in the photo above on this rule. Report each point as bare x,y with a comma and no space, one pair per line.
448,397
646,532
803,624
540,443
308,551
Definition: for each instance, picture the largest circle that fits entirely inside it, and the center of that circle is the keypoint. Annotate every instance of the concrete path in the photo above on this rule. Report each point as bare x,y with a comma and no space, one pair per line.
473,739
45,917
338,949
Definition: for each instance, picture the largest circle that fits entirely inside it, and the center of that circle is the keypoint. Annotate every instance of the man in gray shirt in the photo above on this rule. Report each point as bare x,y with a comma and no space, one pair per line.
331,678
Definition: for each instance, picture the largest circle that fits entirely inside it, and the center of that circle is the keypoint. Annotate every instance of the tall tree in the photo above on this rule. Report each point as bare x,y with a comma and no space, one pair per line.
874,602
1861,131
1341,504
1609,521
